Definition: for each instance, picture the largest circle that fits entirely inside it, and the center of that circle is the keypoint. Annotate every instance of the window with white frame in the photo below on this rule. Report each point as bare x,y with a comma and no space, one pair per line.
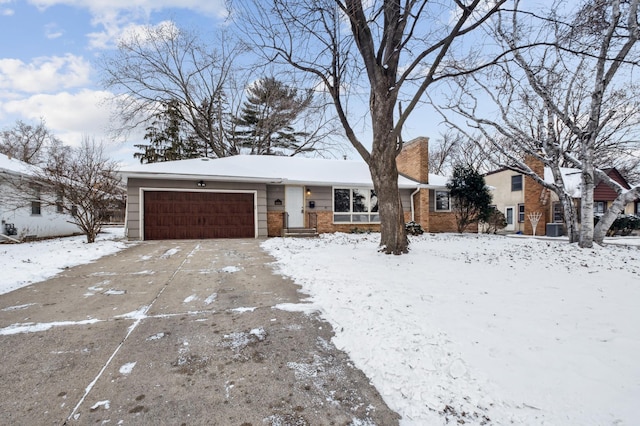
599,207
442,201
355,205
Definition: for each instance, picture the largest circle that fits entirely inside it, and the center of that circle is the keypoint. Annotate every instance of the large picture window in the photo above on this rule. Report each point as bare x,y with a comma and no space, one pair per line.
443,201
355,205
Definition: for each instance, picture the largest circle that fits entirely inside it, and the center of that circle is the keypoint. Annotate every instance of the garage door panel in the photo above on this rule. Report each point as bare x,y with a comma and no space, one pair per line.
197,215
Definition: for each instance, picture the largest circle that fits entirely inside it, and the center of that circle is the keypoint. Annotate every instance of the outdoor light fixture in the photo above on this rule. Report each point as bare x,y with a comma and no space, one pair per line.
308,192
278,202
201,184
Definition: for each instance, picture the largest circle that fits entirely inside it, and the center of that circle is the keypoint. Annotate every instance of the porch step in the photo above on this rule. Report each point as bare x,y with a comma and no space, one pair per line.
300,232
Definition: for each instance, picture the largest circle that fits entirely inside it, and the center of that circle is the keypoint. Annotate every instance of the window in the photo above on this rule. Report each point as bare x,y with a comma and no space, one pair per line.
355,205
74,211
599,207
35,207
59,206
442,201
521,213
558,214
516,183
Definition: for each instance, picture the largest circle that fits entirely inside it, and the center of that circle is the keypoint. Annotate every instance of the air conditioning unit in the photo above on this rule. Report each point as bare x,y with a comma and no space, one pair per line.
555,229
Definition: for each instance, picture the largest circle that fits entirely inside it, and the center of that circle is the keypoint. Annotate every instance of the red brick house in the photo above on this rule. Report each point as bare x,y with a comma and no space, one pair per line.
517,196
258,196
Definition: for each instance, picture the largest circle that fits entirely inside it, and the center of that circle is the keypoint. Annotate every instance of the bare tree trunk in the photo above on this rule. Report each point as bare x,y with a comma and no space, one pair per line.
384,174
587,187
570,218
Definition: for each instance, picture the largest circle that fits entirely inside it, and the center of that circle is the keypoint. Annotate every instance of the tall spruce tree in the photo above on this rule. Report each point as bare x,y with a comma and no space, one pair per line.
266,123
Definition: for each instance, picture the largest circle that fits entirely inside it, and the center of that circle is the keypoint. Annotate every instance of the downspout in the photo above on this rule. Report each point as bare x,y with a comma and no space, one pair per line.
413,212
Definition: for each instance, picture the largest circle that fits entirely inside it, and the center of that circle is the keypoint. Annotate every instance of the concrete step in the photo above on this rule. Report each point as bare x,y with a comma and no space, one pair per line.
300,232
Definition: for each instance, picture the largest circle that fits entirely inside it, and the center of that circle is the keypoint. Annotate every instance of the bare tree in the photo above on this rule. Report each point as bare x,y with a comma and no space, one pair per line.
564,96
165,64
84,184
605,41
392,50
454,148
28,142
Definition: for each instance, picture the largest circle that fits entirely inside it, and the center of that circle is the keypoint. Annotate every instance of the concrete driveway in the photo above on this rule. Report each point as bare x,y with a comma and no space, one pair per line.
176,333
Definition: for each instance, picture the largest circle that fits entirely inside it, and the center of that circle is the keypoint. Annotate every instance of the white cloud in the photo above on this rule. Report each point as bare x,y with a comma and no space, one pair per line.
44,74
69,115
7,12
112,34
112,17
52,31
98,7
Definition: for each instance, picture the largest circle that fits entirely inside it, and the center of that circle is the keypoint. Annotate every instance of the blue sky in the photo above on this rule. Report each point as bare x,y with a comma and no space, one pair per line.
49,51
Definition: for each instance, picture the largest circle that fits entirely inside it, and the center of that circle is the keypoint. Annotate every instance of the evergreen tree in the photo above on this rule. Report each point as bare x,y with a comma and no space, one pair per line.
265,125
470,196
168,138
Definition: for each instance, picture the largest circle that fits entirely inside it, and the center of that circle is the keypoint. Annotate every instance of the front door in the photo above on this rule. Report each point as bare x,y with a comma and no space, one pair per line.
294,205
508,215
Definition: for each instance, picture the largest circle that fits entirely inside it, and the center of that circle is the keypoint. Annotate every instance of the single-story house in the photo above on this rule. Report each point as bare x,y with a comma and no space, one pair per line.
23,212
517,196
247,196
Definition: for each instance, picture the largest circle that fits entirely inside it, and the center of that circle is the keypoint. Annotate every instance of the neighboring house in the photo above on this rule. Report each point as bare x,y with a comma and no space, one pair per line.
517,196
23,212
258,196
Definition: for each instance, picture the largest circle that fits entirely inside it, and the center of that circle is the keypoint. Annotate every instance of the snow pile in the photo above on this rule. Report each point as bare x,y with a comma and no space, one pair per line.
36,261
478,328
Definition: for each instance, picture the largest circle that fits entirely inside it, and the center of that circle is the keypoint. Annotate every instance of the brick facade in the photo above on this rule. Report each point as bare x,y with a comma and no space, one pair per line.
326,225
536,198
446,222
274,224
421,206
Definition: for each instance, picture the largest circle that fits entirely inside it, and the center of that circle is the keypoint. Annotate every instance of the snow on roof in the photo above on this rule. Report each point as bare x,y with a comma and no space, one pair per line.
571,178
269,169
13,165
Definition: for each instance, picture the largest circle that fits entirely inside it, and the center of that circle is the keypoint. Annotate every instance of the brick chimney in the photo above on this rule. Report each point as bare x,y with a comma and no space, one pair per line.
413,163
413,160
536,198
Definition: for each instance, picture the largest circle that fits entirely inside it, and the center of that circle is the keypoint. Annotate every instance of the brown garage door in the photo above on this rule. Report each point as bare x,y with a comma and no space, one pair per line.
196,215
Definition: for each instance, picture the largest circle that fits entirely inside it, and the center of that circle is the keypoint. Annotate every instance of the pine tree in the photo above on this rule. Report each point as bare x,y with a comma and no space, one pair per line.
168,139
265,125
470,196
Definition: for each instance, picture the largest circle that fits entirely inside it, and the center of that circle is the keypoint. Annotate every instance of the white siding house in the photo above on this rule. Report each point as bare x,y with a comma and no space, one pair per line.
23,214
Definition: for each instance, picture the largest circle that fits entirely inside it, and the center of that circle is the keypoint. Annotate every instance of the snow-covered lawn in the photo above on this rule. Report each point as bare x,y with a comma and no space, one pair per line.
29,263
480,328
477,328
